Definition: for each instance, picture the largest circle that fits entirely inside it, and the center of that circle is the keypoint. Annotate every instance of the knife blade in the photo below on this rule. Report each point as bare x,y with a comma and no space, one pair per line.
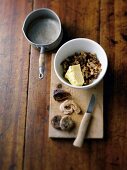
84,123
91,104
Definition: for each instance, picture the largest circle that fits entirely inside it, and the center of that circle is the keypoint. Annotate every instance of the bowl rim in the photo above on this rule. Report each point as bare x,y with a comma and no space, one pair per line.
93,83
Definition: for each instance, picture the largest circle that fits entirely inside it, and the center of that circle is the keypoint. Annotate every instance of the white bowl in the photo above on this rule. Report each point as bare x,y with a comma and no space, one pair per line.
78,45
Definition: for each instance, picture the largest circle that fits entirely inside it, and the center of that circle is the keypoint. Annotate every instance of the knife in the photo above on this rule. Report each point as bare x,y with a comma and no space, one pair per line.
84,123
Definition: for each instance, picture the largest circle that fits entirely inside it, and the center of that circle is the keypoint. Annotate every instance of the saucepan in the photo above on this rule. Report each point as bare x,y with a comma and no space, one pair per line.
42,28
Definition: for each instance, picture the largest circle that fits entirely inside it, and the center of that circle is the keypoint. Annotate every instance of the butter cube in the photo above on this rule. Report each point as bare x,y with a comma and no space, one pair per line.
74,75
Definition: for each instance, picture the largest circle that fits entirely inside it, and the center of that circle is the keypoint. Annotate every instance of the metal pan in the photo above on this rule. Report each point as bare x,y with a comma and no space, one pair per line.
42,28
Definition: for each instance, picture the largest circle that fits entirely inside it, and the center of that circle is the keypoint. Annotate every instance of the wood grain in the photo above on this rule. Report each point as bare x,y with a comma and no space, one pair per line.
14,65
82,98
24,100
113,28
40,151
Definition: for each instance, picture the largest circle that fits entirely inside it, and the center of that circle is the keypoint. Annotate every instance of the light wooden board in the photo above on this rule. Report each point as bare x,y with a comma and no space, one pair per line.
82,98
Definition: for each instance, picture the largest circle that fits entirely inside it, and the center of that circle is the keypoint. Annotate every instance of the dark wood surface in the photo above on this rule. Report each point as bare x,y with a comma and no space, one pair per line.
24,100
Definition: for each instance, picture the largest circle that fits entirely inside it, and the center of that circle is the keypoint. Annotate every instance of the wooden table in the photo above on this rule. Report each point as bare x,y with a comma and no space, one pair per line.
24,100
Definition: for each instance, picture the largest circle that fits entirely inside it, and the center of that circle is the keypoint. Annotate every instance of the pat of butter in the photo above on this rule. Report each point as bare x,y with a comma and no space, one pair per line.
74,75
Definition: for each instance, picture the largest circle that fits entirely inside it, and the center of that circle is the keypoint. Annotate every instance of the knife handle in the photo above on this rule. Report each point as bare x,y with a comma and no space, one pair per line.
82,130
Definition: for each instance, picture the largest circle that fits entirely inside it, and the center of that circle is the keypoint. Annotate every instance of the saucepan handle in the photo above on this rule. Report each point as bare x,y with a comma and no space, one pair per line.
41,63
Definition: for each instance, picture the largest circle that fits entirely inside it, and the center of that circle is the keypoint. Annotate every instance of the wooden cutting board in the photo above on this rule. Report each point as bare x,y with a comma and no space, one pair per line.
82,98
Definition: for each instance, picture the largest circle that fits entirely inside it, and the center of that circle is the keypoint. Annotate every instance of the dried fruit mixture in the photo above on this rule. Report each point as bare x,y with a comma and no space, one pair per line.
89,63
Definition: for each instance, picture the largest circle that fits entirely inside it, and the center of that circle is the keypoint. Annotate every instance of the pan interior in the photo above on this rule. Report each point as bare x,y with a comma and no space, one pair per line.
43,31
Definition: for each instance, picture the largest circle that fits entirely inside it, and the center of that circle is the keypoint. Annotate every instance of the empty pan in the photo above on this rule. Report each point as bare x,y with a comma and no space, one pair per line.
42,28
